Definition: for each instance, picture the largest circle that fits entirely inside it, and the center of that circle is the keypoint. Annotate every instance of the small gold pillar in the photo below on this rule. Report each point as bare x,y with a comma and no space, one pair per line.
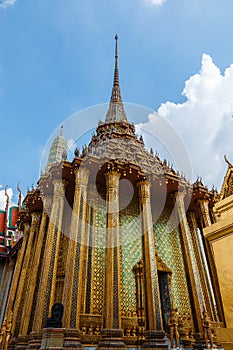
187,248
153,316
92,202
112,315
204,210
25,271
26,314
138,271
74,285
48,277
18,267
6,283
112,332
203,269
206,222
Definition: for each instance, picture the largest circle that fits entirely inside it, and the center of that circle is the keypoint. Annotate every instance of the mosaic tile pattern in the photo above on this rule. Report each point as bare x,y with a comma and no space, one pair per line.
195,268
169,249
131,253
98,258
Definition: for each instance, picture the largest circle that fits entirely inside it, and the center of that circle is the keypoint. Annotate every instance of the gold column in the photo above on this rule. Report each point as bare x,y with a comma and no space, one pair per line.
112,316
91,217
202,268
206,222
74,285
2,291
187,248
140,297
112,332
47,286
205,214
26,314
153,317
25,272
6,283
17,271
84,240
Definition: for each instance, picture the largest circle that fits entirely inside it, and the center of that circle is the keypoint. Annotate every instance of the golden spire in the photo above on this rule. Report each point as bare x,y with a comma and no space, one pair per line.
116,85
116,112
61,130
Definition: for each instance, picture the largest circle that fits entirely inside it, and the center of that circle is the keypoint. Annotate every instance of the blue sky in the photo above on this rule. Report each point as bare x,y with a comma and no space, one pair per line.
57,57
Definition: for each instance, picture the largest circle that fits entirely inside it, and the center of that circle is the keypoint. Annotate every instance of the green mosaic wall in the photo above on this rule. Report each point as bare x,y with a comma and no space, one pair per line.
131,253
169,249
98,259
168,246
195,267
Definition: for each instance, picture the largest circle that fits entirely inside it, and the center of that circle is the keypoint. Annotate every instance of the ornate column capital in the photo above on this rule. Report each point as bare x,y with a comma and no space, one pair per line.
144,190
81,176
24,216
204,210
112,178
47,203
203,200
179,197
59,187
36,215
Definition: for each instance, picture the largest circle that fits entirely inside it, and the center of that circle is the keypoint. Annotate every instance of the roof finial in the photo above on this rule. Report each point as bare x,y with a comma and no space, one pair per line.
116,83
227,161
116,112
61,130
116,74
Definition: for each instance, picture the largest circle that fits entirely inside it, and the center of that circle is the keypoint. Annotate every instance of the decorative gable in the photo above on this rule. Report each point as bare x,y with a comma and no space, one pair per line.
227,186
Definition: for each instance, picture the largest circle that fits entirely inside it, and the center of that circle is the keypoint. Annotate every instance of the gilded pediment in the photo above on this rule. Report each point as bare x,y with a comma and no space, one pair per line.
227,186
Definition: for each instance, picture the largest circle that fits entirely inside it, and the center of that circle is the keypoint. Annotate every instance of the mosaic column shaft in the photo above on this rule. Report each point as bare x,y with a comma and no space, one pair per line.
48,276
151,286
138,273
203,269
91,248
25,272
112,307
6,283
18,267
187,248
206,222
3,286
26,314
74,285
111,335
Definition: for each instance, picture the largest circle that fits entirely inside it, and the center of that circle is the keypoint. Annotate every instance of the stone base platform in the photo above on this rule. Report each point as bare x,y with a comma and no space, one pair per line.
111,339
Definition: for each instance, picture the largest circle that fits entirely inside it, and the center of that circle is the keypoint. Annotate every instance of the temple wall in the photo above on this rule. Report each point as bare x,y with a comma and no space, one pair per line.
223,254
220,236
131,253
169,249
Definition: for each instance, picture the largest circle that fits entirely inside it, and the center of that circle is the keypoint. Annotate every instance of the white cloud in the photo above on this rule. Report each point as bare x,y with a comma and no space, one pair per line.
6,3
156,2
204,120
3,198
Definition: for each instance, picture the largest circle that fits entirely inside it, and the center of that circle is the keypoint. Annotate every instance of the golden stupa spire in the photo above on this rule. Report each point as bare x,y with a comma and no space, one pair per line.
116,112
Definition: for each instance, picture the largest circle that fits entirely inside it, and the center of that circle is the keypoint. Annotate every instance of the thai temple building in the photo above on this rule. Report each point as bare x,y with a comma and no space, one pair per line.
115,250
220,237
